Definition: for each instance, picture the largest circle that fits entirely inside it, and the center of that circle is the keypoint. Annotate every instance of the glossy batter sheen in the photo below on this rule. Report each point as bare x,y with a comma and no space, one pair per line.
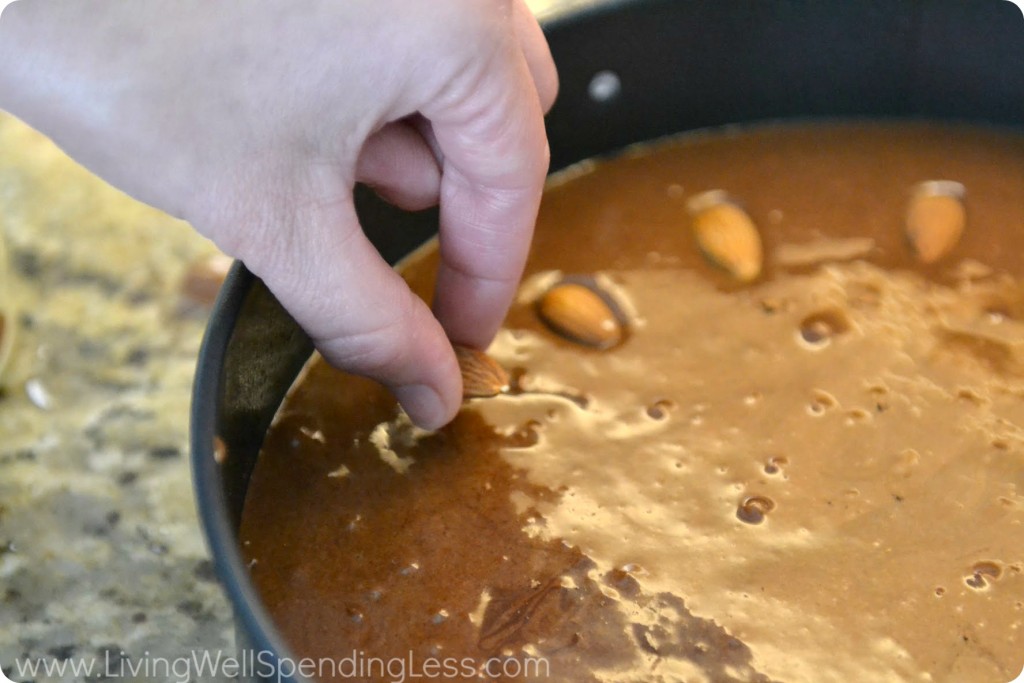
728,495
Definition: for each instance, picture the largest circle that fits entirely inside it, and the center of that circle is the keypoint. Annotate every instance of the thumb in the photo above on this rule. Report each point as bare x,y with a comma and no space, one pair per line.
360,313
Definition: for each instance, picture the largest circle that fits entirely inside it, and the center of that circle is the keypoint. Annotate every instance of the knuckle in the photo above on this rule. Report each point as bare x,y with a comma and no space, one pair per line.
379,350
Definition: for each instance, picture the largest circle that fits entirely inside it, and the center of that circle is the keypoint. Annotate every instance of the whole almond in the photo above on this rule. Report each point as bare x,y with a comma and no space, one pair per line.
936,219
726,235
203,279
580,314
482,376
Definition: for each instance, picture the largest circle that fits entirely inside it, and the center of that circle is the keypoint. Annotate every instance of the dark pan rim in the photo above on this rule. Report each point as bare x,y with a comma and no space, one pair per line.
250,616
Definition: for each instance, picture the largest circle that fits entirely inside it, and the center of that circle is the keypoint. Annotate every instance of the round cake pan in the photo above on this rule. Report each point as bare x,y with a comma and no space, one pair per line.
630,71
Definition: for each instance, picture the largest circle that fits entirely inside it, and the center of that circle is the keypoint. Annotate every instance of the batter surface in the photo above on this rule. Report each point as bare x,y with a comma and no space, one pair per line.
817,476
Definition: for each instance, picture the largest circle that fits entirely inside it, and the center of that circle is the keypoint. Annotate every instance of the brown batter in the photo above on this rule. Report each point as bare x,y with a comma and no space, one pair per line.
815,477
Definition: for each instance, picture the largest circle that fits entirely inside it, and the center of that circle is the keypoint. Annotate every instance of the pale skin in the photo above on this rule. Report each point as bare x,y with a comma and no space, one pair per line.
253,119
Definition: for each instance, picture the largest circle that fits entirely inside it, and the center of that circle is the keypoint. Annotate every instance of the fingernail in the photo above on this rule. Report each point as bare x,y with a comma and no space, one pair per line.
423,404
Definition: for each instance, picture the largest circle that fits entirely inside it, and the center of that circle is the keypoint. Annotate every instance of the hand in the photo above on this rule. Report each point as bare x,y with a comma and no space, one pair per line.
253,119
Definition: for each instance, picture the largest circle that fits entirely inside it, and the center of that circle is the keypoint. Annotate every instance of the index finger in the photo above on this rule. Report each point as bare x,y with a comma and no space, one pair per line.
495,162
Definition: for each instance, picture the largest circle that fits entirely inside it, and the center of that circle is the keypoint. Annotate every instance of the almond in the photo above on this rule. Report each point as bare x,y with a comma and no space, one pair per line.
580,314
936,219
726,234
204,278
220,450
482,377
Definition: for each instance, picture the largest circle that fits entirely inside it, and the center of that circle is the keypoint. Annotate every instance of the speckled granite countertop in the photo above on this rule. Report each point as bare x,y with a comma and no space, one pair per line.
100,550
101,557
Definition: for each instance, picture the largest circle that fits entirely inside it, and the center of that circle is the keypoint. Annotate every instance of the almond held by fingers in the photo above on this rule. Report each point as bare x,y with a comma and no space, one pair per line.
726,235
580,314
936,219
482,377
